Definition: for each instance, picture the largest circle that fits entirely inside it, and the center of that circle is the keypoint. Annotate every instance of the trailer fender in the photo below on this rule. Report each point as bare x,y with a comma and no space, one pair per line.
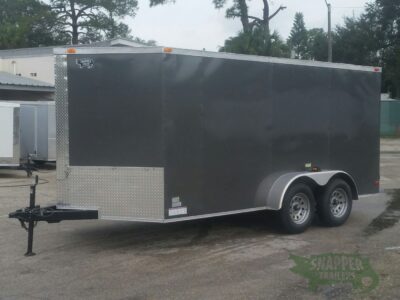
273,189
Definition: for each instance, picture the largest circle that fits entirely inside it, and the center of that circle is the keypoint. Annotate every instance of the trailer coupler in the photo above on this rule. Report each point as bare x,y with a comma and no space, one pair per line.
31,215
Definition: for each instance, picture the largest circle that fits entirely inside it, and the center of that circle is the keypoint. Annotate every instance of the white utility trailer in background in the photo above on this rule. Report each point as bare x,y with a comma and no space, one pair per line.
27,134
38,131
9,134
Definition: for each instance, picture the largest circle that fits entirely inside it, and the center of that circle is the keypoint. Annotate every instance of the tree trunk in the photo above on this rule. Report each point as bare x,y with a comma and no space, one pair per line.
74,21
244,16
75,34
112,29
265,26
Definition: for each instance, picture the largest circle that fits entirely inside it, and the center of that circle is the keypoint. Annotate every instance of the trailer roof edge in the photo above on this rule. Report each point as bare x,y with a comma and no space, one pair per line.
223,55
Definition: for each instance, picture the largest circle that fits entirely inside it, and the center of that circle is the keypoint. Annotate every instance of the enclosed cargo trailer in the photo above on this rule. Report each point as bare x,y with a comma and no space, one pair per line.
38,130
164,135
9,134
27,134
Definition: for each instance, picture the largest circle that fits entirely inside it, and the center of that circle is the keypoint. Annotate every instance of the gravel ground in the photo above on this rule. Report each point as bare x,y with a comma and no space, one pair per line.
234,257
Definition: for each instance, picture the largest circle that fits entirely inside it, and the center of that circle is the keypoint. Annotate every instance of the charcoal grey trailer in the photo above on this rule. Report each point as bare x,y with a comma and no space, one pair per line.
163,135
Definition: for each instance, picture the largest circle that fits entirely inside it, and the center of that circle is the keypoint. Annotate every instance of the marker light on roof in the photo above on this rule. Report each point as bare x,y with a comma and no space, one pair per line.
71,50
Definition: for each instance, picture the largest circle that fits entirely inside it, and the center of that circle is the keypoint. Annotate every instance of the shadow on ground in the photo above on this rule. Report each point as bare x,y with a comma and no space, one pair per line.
389,217
115,235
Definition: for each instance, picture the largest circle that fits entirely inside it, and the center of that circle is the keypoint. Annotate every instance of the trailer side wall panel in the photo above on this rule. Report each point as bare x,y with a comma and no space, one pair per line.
233,123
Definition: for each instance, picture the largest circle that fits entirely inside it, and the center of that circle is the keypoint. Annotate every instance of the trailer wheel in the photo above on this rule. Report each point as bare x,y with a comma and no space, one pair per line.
335,205
298,208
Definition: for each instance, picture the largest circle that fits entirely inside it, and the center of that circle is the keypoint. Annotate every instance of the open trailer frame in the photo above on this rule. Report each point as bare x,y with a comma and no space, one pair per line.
164,135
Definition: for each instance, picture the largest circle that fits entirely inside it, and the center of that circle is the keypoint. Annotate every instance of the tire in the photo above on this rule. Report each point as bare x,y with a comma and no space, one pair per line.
298,209
335,205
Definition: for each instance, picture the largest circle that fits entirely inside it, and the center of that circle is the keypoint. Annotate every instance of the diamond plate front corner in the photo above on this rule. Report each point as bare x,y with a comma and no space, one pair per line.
61,99
129,193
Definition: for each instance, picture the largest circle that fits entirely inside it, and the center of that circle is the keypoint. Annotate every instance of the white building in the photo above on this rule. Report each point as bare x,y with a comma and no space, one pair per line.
38,63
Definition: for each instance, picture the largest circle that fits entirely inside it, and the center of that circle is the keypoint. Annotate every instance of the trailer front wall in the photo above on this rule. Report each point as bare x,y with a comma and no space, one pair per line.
109,135
115,111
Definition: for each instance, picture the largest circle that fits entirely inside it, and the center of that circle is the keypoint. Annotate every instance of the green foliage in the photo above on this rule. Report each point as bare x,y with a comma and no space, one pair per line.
219,3
243,43
387,14
373,39
32,23
117,29
255,38
307,44
158,2
317,44
278,47
255,43
28,23
93,20
355,43
298,39
144,42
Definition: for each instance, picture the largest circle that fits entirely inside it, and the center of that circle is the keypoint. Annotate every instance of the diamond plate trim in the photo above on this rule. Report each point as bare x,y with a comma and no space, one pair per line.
61,99
117,192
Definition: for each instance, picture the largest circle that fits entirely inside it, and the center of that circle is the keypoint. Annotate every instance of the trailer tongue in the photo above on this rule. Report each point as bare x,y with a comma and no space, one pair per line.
31,215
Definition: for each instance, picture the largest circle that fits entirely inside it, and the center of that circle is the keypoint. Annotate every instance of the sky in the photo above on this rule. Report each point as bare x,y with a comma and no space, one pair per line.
196,24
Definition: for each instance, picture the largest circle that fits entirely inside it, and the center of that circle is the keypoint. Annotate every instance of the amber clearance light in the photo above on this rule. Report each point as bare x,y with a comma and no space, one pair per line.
71,50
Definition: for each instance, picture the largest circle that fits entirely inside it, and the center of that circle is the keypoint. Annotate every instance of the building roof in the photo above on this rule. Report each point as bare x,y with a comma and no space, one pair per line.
45,51
10,81
119,42
9,104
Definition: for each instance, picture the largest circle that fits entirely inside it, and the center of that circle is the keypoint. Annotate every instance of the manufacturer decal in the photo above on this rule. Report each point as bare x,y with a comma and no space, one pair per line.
177,208
85,63
176,202
177,211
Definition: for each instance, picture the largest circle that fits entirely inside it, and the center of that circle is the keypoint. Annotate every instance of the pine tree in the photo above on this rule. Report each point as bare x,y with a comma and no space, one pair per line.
298,39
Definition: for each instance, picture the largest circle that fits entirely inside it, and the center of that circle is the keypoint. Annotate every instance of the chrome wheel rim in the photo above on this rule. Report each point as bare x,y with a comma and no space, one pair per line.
299,208
339,202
